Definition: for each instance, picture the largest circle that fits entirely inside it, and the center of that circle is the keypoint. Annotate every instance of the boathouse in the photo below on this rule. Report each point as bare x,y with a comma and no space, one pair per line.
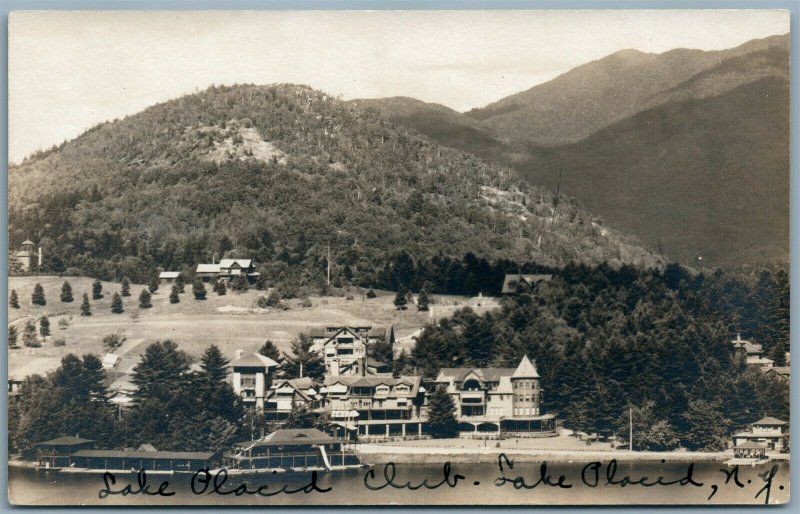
55,453
289,449
147,460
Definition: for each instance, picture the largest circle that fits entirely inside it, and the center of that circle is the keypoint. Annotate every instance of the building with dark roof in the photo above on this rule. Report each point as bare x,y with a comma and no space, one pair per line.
490,401
126,460
288,393
299,448
513,284
55,453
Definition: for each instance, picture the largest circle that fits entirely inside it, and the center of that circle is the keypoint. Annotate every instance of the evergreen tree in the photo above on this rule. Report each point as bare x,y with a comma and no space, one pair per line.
180,283
304,361
240,284
144,299
219,287
44,326
214,364
116,304
261,282
198,289
268,349
442,415
173,295
402,365
371,293
66,293
422,300
13,301
382,351
37,298
125,287
400,299
97,289
152,285
12,336
86,309
29,337
160,372
706,427
778,354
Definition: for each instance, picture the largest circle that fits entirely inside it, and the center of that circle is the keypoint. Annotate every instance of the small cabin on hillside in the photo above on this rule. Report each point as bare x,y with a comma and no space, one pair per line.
26,255
168,277
228,269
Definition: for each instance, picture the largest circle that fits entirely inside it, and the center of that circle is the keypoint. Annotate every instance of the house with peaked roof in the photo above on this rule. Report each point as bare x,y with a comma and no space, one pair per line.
513,284
168,277
491,401
767,431
252,378
344,349
376,407
290,448
26,255
227,269
284,394
751,352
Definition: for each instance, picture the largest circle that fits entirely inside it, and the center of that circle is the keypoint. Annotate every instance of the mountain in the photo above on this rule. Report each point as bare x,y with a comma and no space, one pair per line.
279,173
585,99
688,150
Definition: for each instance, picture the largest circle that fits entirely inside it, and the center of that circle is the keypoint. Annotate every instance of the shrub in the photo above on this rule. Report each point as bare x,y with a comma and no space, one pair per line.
306,303
113,341
60,342
371,293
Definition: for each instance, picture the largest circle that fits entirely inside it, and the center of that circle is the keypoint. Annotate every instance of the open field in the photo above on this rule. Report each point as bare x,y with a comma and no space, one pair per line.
232,321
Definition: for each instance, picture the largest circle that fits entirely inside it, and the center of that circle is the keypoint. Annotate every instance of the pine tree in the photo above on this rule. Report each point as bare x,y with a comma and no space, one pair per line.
97,289
441,415
173,295
13,301
240,284
268,349
304,361
153,285
423,300
180,283
116,304
66,293
400,299
706,426
12,336
125,287
214,364
37,298
86,309
219,287
778,354
198,289
261,282
44,326
29,337
144,299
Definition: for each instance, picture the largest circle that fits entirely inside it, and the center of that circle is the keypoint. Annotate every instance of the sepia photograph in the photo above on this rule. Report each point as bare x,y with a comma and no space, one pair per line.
398,258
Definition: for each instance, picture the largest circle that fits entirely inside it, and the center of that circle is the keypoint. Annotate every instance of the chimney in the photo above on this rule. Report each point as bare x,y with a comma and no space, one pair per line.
239,354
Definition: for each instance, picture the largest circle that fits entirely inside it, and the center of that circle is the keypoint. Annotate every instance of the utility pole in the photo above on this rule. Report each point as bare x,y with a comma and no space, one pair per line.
630,420
329,263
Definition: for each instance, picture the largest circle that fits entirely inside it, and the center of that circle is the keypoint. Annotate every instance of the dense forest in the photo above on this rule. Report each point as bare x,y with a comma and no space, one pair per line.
605,340
277,174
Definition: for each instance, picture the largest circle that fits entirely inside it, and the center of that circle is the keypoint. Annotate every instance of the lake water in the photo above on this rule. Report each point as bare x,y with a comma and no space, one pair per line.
478,487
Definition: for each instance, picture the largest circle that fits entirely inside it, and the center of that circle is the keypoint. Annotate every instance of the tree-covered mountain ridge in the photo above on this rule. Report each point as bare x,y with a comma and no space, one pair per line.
277,173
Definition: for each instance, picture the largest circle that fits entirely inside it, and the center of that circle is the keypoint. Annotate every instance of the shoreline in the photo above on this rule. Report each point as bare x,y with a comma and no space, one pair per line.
375,453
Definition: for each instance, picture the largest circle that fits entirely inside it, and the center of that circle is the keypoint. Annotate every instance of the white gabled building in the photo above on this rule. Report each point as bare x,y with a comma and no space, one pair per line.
252,378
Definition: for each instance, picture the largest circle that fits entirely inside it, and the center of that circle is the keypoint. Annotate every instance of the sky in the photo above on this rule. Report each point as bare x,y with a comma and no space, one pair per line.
69,71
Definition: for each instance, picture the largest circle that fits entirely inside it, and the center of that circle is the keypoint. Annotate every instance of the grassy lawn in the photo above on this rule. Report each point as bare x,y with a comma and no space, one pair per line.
232,321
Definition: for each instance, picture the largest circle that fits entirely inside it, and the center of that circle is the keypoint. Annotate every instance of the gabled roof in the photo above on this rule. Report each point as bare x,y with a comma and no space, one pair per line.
750,445
413,382
769,421
382,331
511,281
65,441
526,369
291,436
208,268
27,242
228,263
488,374
169,274
254,360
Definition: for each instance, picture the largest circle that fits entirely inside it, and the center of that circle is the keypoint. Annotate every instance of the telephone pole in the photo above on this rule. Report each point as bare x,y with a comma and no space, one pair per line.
630,420
329,263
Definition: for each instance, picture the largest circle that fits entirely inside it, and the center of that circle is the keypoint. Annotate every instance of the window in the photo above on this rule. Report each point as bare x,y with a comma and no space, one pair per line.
248,381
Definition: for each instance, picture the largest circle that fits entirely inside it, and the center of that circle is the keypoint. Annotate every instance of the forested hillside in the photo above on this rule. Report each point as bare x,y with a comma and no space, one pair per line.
605,340
277,173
